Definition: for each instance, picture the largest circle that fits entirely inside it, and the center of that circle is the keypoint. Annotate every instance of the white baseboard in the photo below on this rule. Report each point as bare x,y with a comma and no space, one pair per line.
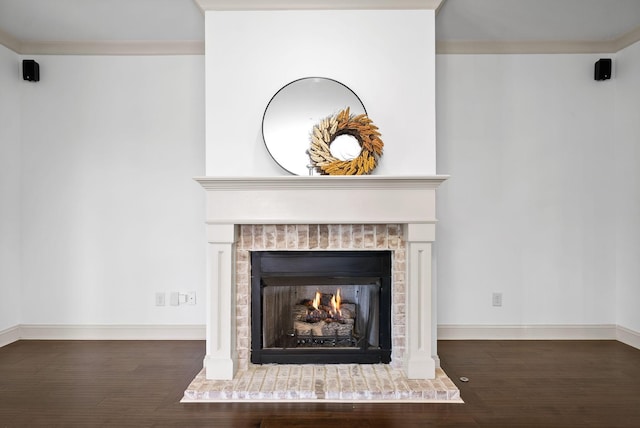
102,332
528,332
628,336
9,335
198,332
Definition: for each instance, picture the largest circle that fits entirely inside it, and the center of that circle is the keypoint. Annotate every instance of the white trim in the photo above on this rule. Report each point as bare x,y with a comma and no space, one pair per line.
627,39
317,4
9,42
9,335
528,332
439,7
324,182
196,47
111,332
197,332
628,336
124,47
362,199
475,47
221,360
418,361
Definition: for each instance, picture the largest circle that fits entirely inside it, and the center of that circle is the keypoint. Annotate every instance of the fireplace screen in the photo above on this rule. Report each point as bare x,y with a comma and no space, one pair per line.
321,307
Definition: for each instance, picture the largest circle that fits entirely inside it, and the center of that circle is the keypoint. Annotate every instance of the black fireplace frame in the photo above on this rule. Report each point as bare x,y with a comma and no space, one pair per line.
342,265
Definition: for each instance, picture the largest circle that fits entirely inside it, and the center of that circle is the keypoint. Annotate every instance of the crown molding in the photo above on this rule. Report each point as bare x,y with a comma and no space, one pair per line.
196,47
473,47
316,4
627,39
128,47
538,47
125,47
9,42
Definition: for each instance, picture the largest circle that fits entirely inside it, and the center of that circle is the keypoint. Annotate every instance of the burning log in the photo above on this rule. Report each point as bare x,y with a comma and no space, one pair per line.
325,315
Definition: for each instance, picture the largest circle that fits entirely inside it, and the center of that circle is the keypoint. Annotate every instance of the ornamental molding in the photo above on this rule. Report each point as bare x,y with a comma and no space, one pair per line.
317,4
310,183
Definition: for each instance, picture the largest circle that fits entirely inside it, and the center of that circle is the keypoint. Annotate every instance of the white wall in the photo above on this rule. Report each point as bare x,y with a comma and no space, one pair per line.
539,155
10,85
110,213
627,186
529,210
386,57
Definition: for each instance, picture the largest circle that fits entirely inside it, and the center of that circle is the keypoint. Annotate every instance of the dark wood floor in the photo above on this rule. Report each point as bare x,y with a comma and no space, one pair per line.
139,384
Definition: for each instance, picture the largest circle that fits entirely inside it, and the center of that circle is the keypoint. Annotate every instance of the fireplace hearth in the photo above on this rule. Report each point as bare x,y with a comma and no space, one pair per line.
321,307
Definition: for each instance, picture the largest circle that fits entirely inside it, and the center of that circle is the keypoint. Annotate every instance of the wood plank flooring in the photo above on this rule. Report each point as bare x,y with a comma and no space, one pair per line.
140,384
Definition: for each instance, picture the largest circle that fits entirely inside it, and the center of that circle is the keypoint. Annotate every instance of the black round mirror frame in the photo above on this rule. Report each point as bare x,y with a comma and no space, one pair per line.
286,132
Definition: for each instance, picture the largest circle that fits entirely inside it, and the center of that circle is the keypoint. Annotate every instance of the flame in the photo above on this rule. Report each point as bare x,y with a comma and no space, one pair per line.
316,301
335,303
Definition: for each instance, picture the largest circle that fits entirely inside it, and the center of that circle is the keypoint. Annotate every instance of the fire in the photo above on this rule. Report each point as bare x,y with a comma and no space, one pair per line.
335,303
321,310
316,301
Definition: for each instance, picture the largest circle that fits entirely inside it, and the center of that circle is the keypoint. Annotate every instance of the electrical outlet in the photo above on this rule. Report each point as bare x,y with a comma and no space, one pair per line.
174,298
160,298
191,298
497,299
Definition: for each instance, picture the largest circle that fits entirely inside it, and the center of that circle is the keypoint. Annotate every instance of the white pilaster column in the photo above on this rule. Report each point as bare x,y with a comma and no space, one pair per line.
221,360
419,363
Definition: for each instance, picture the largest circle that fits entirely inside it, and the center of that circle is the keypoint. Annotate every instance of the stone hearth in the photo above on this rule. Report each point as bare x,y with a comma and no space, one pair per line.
294,213
326,383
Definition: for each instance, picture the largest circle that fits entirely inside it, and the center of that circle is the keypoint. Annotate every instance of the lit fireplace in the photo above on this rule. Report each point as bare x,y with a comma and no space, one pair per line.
321,307
250,214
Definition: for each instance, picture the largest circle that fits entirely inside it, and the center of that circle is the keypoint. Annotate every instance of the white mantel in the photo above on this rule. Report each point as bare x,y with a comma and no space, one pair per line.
321,199
407,200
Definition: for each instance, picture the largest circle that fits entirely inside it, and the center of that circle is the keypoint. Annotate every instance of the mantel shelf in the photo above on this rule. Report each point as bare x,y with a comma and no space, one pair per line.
310,183
321,199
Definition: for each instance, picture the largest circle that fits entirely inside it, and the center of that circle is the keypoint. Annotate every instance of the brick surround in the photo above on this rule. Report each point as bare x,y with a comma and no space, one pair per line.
320,237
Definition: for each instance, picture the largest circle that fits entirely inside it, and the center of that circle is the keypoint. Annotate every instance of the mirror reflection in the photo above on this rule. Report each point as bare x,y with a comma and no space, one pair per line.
345,147
293,111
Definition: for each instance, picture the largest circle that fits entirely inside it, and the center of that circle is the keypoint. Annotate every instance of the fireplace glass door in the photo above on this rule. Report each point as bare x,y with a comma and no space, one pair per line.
321,307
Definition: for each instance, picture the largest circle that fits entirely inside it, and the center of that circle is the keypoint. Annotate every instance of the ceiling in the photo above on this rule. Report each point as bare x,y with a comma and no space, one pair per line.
177,26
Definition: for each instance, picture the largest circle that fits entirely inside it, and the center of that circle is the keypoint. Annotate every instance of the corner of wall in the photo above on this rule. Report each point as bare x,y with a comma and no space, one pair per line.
9,335
628,336
10,173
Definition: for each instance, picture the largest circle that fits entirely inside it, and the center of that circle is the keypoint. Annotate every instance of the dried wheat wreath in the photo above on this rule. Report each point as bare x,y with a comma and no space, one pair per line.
360,127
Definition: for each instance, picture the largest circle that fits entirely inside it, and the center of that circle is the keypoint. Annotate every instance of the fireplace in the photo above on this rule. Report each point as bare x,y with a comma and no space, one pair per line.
332,213
321,307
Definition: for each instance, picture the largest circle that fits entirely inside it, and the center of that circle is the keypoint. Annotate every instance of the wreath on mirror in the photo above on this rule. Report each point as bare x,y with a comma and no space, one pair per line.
361,128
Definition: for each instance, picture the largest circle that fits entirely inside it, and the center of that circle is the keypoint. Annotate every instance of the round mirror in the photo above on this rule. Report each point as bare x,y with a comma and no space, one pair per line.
292,113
